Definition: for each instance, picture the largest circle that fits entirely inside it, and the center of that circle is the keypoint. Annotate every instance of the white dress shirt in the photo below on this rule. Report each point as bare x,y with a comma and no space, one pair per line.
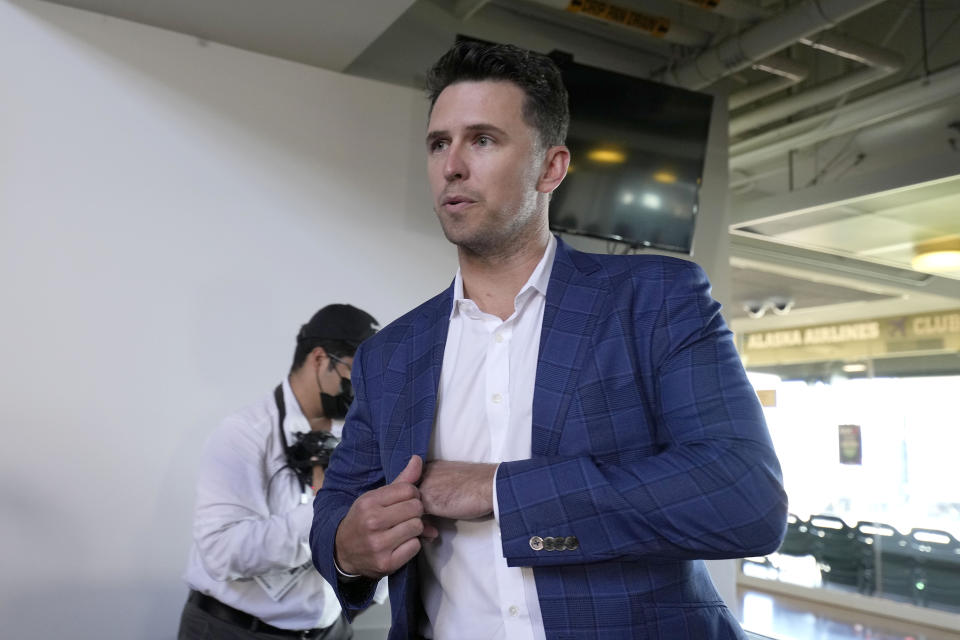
252,522
484,414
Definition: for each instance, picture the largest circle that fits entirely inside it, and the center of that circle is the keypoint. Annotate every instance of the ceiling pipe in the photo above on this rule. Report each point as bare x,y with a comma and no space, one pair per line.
786,72
762,40
880,64
733,9
903,99
464,9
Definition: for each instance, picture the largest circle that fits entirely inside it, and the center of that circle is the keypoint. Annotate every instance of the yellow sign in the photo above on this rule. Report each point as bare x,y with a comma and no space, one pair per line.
654,25
814,335
937,325
921,333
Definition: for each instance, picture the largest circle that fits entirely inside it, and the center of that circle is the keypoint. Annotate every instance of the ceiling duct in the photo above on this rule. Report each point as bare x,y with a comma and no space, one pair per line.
762,40
879,62
799,24
734,9
903,99
786,72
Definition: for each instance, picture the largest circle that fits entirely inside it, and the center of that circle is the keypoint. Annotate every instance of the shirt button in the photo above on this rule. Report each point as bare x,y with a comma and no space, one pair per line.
498,338
497,398
536,543
514,611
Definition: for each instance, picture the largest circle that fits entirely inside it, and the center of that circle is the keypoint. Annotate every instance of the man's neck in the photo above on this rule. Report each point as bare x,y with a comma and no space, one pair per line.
308,398
494,282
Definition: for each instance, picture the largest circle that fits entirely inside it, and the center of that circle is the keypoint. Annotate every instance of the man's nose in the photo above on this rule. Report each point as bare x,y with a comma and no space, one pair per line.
455,166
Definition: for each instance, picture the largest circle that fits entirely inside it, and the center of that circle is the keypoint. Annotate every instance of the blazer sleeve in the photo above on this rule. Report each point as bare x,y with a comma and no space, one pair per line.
710,486
354,469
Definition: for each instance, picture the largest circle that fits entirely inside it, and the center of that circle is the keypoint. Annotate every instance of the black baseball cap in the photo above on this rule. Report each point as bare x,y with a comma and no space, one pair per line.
339,322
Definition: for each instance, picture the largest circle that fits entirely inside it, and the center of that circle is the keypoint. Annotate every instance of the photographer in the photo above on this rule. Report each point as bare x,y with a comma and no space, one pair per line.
249,568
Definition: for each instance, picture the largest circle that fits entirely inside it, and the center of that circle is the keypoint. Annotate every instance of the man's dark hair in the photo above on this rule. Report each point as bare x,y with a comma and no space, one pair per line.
545,107
335,348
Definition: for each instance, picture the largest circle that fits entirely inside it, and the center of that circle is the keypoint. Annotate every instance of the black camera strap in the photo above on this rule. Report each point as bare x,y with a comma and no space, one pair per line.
281,415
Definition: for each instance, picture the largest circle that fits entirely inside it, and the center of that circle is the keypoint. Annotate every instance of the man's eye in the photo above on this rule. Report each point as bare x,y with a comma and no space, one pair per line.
483,141
438,145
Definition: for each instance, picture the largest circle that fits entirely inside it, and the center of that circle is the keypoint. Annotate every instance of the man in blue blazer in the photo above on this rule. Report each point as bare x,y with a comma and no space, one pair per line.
550,447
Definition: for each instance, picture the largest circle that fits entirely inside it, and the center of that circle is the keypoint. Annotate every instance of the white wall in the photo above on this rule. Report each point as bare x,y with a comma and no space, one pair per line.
170,212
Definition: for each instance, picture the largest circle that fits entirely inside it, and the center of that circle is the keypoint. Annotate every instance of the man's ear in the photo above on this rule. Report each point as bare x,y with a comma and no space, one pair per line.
555,164
317,356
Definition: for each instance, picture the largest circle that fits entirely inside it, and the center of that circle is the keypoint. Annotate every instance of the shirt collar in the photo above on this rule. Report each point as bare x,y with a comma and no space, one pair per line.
295,421
540,277
537,281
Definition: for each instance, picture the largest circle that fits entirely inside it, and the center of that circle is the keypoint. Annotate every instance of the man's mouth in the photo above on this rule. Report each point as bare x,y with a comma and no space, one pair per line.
456,202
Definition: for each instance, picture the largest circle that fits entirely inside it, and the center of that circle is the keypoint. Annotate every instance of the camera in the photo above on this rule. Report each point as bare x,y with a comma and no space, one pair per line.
311,449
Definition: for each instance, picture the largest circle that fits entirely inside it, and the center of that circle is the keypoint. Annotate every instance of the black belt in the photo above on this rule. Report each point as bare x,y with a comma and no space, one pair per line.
242,619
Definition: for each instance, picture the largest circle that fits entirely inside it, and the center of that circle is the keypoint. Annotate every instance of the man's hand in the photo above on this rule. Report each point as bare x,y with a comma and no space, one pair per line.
457,490
380,532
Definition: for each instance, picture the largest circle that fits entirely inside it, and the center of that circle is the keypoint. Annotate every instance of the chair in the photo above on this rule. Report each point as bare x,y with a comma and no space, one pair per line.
874,537
897,568
937,557
838,551
799,540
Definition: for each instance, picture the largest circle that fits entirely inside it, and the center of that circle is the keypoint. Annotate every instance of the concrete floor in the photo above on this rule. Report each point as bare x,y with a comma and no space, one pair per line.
785,618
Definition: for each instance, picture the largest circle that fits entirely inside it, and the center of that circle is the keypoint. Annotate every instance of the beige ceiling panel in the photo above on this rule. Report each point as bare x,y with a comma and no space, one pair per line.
940,215
855,235
324,34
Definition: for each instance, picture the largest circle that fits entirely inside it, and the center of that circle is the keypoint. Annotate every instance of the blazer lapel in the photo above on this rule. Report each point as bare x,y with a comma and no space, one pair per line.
570,315
429,339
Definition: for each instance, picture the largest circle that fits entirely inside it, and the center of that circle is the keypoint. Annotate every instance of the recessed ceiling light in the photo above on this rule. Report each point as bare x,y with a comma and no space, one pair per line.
937,261
937,255
607,156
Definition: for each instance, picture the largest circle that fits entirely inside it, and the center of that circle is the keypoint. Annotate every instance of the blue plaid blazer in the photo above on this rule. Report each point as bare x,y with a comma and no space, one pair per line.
649,446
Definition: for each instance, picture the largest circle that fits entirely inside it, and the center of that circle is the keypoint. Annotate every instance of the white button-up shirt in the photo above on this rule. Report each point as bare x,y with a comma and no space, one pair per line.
252,522
484,414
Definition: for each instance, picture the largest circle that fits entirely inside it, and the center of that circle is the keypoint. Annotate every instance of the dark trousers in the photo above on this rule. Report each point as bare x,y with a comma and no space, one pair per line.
201,622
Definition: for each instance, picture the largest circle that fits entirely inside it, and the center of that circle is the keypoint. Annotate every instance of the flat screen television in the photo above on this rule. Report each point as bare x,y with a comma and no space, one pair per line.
637,155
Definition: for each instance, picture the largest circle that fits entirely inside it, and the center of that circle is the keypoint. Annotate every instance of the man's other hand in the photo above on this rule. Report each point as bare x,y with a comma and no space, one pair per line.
457,490
380,532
